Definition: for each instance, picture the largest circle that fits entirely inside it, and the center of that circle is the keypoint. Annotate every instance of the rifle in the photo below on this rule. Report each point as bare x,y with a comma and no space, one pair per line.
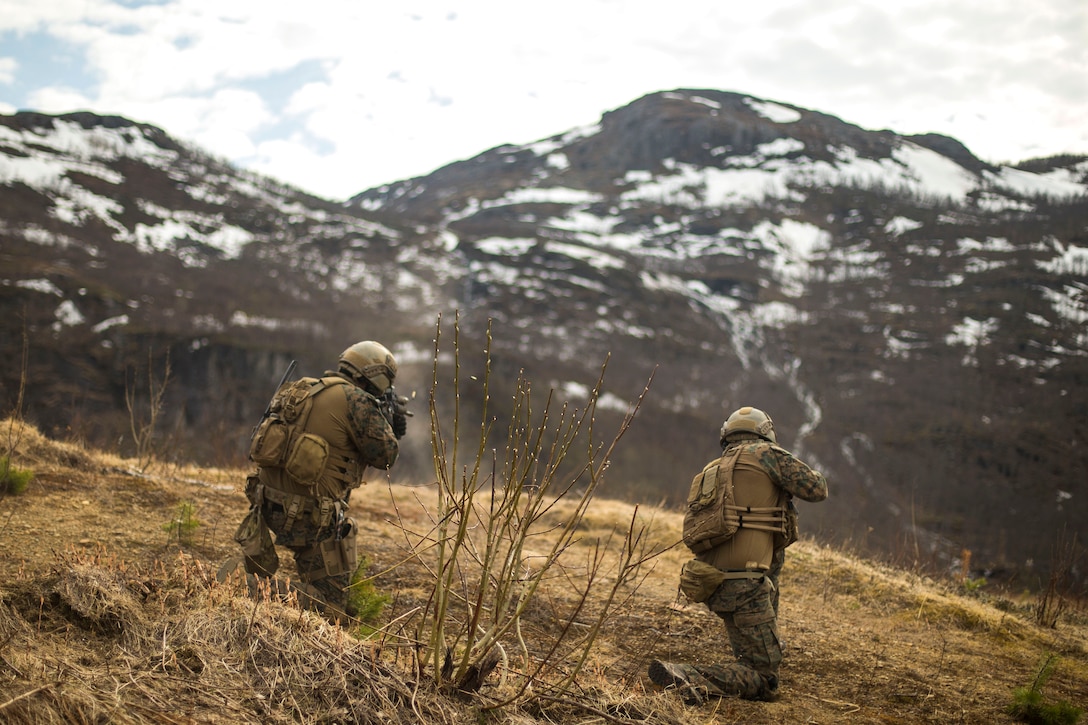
391,404
268,408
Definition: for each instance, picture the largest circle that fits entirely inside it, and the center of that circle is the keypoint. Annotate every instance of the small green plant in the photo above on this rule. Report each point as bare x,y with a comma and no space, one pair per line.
973,586
1029,705
13,480
184,523
364,599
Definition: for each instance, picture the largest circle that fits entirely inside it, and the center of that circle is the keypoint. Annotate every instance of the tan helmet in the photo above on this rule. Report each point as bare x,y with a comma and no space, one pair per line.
749,420
369,360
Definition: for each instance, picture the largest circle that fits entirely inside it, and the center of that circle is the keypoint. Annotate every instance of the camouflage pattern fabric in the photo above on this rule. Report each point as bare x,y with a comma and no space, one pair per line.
746,608
778,560
304,541
685,680
258,551
696,684
370,431
792,474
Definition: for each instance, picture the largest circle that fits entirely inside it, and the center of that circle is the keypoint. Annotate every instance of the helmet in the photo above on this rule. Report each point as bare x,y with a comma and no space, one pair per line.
370,361
749,420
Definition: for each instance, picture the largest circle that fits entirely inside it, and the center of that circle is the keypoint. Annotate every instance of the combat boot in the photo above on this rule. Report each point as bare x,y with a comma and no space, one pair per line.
685,680
769,691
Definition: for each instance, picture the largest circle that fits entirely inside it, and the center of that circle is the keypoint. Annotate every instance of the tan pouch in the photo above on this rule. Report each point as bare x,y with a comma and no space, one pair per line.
332,555
710,519
698,580
341,556
269,444
256,542
306,460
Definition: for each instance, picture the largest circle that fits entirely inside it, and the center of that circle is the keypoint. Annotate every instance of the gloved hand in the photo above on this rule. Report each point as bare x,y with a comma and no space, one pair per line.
400,425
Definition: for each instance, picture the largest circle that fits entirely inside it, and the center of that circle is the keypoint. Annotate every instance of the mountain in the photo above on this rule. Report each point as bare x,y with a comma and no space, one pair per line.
911,316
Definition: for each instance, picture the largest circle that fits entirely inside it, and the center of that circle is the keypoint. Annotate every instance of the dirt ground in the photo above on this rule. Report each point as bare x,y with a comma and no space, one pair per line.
864,643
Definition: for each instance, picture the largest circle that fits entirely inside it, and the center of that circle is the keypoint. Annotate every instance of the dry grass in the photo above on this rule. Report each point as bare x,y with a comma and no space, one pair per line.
104,618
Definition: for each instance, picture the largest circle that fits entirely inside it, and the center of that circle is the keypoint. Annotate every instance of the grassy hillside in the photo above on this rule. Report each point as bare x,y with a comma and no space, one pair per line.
111,614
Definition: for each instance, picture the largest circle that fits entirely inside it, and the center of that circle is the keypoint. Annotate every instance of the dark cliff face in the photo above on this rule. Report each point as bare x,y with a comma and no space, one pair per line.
911,316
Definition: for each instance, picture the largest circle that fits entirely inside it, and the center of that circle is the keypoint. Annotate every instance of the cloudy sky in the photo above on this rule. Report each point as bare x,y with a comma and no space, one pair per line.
337,96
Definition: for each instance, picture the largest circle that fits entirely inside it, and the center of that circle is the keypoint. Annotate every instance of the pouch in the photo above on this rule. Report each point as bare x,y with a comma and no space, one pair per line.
269,444
256,542
340,555
698,580
307,457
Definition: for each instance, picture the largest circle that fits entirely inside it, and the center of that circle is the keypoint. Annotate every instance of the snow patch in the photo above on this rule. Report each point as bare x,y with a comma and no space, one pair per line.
596,258
1070,259
900,225
40,285
67,315
773,111
110,322
500,246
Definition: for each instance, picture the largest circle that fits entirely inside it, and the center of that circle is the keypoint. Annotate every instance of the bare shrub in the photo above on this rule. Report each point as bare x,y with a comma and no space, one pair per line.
144,415
490,550
1053,600
13,479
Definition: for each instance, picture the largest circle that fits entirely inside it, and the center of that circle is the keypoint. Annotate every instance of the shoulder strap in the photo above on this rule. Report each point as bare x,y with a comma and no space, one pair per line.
320,385
332,380
729,459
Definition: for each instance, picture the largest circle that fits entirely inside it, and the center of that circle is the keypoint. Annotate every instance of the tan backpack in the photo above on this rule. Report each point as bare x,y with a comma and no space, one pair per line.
280,438
713,516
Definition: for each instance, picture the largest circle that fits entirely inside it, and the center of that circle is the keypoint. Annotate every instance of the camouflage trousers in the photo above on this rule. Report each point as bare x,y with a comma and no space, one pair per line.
305,538
747,609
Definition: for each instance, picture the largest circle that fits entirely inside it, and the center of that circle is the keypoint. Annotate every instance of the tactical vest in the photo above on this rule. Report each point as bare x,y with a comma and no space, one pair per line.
285,438
714,516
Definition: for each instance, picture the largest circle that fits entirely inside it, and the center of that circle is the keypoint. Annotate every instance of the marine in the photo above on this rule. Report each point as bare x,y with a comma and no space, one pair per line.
312,447
737,577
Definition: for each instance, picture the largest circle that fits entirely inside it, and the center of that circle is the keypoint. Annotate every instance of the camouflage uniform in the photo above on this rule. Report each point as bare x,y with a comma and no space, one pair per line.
310,520
747,598
744,605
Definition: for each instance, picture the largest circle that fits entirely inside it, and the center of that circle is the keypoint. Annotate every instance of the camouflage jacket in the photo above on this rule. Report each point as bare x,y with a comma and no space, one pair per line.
790,473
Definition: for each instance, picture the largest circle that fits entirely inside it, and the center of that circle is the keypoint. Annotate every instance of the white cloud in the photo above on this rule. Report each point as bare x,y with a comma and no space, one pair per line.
7,69
59,99
393,90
